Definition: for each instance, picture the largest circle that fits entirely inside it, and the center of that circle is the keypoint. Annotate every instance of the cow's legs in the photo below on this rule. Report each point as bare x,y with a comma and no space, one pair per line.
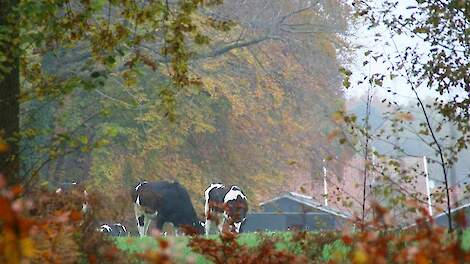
159,221
140,218
147,221
207,226
222,222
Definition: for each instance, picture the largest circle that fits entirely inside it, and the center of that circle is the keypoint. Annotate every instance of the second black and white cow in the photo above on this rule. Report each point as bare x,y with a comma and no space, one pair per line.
115,230
163,202
226,206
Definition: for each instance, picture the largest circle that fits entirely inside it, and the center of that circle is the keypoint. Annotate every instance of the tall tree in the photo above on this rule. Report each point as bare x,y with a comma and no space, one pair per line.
440,64
104,36
9,90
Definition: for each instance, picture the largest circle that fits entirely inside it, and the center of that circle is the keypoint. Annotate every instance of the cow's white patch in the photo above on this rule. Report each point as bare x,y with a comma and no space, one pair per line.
123,227
84,207
140,184
233,194
237,226
105,227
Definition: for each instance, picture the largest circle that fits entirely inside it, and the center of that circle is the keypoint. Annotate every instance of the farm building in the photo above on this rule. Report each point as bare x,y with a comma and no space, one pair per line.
441,219
294,211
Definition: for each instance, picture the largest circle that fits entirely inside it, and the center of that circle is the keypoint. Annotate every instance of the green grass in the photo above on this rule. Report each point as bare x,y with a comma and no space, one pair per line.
466,240
178,247
179,250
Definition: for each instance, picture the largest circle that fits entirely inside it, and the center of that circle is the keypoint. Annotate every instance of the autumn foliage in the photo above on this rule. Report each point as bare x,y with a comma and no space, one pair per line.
46,227
228,250
423,242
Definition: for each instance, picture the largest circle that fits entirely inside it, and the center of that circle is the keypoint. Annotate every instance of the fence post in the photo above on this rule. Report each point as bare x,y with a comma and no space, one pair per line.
325,187
428,188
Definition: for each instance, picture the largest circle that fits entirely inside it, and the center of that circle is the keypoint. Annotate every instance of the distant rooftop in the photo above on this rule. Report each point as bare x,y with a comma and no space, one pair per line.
308,201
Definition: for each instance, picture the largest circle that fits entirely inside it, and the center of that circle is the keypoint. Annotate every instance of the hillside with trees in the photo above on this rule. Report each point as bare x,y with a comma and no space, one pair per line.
267,84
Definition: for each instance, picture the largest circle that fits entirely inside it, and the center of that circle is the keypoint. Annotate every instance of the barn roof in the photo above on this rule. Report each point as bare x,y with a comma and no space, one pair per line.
308,201
453,210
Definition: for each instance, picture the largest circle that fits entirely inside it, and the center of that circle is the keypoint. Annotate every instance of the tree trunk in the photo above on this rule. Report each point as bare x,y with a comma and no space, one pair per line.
9,92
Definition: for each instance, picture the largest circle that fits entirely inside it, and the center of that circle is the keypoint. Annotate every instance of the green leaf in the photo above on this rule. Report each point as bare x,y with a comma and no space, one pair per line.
83,139
346,83
95,74
98,4
110,61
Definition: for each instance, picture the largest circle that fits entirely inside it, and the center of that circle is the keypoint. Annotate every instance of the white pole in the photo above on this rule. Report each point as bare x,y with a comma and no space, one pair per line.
325,187
374,161
428,189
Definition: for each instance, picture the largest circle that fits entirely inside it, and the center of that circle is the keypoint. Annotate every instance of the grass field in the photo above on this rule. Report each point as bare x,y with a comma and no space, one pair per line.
181,253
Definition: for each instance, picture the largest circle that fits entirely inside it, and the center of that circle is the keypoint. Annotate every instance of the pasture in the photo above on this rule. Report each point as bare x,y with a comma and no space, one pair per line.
179,250
181,253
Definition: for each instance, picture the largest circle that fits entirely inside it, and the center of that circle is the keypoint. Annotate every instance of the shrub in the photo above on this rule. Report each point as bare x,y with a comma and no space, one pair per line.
424,243
228,250
45,227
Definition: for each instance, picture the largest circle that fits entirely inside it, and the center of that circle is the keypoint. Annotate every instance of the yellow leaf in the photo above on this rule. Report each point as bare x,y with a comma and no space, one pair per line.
332,135
404,116
359,257
4,147
27,247
337,117
292,162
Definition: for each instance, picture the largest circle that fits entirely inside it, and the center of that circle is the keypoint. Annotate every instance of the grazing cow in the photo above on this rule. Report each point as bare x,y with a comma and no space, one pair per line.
67,187
225,205
163,202
115,230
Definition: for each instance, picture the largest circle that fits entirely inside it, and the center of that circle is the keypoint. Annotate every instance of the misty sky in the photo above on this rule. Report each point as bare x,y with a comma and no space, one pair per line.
364,38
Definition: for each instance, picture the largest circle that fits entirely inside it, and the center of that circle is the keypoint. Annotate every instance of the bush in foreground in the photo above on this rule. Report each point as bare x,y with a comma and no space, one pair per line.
49,229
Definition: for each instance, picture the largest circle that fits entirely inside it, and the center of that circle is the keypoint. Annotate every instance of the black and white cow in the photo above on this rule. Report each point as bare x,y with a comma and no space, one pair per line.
115,230
164,202
67,187
225,206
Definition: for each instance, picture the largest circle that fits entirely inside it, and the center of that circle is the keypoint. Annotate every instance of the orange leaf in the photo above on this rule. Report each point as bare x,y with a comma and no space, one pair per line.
347,240
163,243
75,215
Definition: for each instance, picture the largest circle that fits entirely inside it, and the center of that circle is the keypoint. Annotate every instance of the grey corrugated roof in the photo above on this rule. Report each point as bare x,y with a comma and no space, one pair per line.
308,201
452,210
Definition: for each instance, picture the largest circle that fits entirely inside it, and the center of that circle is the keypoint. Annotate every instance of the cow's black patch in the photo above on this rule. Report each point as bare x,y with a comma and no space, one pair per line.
170,200
216,199
141,220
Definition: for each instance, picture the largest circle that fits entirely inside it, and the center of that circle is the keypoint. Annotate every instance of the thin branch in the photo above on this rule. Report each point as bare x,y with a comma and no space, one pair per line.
431,130
366,156
112,98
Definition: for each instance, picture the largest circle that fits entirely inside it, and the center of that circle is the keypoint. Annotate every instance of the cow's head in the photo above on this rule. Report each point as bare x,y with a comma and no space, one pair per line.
104,229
